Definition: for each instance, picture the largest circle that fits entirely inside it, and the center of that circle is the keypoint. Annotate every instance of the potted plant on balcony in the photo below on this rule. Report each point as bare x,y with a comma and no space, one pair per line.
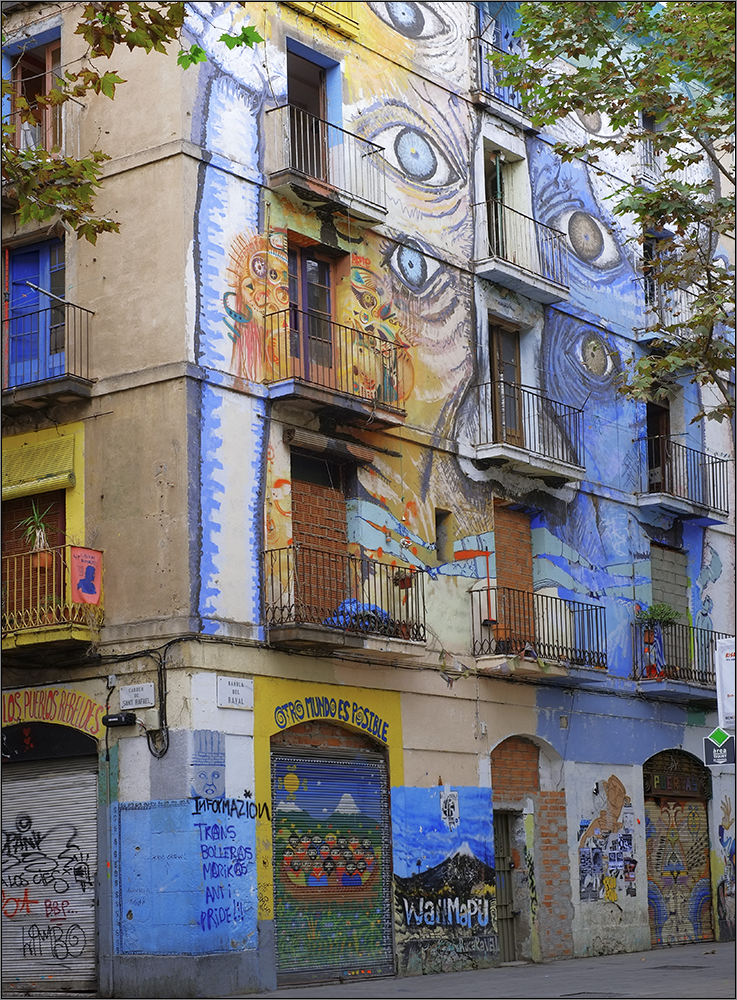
36,529
657,614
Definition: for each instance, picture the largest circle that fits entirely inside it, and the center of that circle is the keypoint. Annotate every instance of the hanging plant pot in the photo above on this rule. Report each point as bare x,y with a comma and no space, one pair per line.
43,559
403,579
648,636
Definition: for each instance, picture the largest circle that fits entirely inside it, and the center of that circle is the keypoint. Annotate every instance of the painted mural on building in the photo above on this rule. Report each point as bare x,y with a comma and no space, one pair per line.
444,881
679,884
726,885
185,876
330,864
606,847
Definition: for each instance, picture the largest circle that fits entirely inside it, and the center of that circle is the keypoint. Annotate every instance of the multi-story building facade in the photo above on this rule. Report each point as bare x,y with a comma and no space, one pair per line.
334,667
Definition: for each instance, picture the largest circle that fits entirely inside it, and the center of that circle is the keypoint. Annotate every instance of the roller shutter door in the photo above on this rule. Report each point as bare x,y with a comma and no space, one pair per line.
678,871
49,861
332,866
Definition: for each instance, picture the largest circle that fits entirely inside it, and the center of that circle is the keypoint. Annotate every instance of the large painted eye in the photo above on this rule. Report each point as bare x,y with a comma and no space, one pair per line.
418,157
413,20
595,356
414,268
591,242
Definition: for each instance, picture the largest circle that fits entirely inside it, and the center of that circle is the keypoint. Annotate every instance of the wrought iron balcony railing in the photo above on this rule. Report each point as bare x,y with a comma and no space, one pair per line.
683,472
310,347
306,586
517,415
519,623
37,592
519,240
303,144
684,654
488,77
47,344
666,306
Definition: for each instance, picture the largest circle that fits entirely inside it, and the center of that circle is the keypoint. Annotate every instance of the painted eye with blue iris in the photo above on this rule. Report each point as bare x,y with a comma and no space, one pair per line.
414,268
417,156
413,20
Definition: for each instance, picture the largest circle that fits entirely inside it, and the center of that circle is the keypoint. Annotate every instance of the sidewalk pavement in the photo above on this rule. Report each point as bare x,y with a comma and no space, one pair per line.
703,971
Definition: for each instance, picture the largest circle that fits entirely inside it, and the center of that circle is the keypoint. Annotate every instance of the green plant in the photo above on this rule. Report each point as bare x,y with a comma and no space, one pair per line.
658,614
36,529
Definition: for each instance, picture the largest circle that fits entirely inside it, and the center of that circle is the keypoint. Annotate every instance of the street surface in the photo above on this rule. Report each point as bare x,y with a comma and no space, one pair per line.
699,972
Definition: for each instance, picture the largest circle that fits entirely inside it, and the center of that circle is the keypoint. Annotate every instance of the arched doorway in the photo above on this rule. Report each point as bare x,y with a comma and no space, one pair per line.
332,855
533,882
677,790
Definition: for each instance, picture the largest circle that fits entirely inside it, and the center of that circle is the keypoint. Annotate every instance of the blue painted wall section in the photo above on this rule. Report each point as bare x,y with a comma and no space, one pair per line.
185,877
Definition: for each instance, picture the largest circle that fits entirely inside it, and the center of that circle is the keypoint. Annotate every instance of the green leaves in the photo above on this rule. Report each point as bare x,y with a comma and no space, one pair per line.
248,36
188,57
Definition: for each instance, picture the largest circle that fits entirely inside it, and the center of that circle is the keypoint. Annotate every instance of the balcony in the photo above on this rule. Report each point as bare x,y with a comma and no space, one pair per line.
309,159
505,101
42,603
520,253
547,635
677,666
664,307
328,365
47,357
684,482
534,435
324,601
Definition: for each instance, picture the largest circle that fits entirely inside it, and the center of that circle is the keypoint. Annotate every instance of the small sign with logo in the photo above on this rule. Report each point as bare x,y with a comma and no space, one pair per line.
718,748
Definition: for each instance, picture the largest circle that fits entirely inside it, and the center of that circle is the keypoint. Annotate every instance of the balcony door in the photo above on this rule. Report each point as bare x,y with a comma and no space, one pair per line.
307,109
495,200
36,318
506,393
310,312
659,459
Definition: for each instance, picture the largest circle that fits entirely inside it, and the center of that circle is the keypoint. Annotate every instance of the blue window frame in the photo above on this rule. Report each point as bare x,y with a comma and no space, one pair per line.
36,315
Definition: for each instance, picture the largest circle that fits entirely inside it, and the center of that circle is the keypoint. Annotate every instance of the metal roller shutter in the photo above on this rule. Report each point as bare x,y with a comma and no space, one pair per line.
49,860
332,866
678,872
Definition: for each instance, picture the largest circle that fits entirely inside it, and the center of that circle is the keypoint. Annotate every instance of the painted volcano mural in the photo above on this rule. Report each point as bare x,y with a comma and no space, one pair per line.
444,879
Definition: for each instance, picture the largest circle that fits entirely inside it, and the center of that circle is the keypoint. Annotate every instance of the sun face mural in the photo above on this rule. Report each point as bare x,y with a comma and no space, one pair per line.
259,279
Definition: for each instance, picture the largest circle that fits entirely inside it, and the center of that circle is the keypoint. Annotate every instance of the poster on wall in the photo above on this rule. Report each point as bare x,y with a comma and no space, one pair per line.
606,846
86,572
725,682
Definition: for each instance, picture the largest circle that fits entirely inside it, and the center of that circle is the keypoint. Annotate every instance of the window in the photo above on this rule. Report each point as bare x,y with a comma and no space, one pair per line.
306,96
36,320
497,23
311,306
658,448
494,179
506,379
34,74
